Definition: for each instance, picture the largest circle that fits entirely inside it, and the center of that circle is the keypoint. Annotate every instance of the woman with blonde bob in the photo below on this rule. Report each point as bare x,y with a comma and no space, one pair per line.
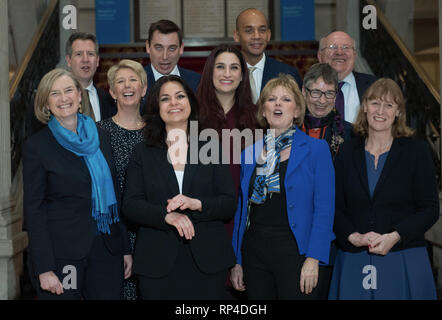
283,223
127,85
70,204
386,199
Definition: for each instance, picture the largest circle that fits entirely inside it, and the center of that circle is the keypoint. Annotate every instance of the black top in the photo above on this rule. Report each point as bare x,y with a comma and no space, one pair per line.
273,212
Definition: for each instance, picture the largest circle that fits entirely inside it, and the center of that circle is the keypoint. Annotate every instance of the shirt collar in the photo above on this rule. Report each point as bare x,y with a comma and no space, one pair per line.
260,64
350,79
158,75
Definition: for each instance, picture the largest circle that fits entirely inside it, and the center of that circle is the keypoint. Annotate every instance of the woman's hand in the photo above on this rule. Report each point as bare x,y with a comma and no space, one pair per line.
362,240
237,278
50,282
309,275
182,202
128,261
383,244
182,223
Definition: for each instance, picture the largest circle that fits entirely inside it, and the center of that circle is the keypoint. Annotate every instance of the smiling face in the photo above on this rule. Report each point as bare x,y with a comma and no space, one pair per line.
64,99
227,73
381,114
128,89
280,109
174,105
319,107
253,34
164,51
84,61
342,56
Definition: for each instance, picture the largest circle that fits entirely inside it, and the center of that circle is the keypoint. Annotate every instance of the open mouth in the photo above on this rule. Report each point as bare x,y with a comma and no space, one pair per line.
277,113
128,94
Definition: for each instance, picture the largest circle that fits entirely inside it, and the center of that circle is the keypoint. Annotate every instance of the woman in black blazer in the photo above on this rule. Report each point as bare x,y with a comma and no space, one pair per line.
180,202
76,243
386,199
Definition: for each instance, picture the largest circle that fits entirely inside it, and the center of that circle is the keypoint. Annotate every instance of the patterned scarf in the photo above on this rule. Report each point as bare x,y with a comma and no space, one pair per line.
267,172
86,144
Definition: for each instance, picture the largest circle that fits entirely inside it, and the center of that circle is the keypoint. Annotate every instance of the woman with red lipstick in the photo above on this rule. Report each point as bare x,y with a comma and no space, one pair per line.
386,199
322,121
127,85
284,219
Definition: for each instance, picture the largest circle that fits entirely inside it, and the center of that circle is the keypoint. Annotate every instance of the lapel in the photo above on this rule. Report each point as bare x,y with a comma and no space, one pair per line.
77,162
189,172
248,161
267,72
298,151
359,162
166,169
392,159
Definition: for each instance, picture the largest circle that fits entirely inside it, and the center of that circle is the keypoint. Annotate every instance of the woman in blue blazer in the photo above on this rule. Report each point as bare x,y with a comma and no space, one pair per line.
283,224
76,243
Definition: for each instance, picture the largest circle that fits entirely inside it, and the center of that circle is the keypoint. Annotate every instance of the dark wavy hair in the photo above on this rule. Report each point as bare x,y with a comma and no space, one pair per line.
211,112
155,131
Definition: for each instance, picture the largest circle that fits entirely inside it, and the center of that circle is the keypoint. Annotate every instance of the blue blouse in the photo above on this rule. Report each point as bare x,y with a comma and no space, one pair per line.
373,173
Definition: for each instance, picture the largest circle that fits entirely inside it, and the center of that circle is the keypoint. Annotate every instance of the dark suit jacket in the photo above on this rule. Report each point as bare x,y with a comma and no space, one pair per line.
272,68
363,81
108,108
151,181
192,78
405,198
57,203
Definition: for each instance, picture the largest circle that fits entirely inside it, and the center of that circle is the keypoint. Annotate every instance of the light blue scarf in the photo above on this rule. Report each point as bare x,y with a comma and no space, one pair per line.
86,144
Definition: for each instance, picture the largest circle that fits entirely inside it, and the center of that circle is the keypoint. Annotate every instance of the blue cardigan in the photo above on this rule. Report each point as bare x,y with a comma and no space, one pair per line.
310,194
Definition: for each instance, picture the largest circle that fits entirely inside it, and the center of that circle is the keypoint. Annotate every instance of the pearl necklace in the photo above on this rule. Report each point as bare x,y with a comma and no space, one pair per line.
138,125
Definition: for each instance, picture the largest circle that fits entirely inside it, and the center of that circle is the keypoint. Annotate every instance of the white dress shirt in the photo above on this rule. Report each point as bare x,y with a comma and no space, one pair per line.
93,99
351,98
158,75
258,73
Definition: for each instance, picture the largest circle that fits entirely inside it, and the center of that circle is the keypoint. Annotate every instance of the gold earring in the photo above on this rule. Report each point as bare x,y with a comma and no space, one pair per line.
47,113
80,109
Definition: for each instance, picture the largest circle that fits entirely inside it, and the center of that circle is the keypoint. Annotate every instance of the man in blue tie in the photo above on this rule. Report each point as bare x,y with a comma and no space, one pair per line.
338,49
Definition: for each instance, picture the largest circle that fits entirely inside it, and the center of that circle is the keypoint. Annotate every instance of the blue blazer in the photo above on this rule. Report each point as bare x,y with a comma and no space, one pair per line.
310,194
192,78
272,68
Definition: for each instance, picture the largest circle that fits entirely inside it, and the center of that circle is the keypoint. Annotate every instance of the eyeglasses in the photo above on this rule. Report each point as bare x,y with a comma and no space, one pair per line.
333,47
315,93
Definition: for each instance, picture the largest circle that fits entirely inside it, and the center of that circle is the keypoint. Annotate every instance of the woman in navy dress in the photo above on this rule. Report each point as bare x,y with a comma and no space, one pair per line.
386,199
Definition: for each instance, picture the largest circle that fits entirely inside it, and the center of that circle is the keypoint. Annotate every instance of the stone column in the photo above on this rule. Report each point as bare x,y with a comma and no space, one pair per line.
12,239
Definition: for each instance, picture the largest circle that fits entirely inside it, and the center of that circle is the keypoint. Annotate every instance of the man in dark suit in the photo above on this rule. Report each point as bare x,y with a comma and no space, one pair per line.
253,33
338,49
165,46
82,59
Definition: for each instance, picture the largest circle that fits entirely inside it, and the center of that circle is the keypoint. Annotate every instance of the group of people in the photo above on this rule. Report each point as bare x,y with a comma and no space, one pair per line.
116,190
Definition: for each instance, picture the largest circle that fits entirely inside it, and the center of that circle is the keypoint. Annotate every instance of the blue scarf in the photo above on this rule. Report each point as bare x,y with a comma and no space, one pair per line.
86,144
267,173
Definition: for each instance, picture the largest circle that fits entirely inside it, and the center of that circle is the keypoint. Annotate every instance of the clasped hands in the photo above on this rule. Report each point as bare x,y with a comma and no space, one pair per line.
376,243
181,221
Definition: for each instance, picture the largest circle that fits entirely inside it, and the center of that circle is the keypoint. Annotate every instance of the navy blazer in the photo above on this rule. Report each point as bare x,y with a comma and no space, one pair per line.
58,204
150,182
363,81
272,68
192,78
310,195
405,198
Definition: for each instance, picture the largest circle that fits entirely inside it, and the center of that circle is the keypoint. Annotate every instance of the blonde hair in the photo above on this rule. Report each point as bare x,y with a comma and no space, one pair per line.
286,81
126,64
41,111
387,90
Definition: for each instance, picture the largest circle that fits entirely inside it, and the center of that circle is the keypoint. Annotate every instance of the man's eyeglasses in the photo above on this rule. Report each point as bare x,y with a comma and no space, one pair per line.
315,93
345,48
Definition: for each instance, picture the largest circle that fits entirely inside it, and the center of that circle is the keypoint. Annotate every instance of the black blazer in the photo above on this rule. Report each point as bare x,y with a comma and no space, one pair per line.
57,203
151,181
405,198
108,108
363,81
